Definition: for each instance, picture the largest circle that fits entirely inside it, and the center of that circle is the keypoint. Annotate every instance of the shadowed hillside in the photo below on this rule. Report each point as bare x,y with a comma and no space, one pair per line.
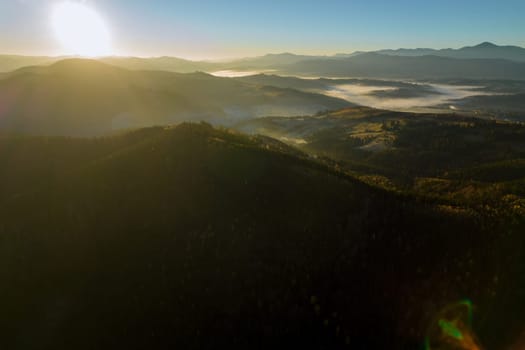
192,237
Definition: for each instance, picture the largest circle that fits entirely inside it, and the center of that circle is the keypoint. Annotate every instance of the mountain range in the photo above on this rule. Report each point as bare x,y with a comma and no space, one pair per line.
484,50
86,97
375,65
484,60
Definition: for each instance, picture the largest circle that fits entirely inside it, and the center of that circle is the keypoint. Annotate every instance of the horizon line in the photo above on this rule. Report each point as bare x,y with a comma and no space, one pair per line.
230,58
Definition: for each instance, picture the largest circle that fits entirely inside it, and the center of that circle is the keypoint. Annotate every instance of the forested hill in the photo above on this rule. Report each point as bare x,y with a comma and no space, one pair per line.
191,237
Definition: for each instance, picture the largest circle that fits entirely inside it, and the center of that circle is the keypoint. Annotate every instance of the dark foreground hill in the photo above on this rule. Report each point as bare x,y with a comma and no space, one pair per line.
194,238
104,98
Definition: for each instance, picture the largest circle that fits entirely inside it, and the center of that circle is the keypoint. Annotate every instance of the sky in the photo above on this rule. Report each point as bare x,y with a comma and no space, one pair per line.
217,29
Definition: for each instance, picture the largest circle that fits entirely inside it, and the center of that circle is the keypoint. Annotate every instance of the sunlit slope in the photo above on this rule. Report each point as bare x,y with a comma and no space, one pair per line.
192,237
476,161
9,63
83,97
168,64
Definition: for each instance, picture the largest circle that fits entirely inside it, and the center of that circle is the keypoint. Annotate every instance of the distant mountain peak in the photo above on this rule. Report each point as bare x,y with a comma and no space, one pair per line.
78,62
486,45
282,54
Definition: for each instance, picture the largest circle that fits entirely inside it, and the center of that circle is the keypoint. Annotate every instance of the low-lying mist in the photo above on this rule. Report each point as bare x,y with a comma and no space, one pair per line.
394,98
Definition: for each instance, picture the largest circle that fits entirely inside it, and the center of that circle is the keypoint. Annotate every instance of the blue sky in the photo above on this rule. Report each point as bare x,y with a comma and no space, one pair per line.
217,29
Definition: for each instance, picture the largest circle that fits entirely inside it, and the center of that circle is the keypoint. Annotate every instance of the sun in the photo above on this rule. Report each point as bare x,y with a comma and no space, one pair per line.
80,30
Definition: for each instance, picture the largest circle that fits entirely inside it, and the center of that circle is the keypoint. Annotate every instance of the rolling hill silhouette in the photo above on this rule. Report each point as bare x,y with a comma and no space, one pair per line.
84,97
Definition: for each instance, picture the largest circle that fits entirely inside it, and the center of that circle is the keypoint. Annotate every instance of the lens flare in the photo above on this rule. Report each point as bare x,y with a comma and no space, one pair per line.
452,329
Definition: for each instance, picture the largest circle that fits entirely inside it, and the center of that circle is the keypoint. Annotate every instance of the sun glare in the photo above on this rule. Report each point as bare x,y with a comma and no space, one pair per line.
80,30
